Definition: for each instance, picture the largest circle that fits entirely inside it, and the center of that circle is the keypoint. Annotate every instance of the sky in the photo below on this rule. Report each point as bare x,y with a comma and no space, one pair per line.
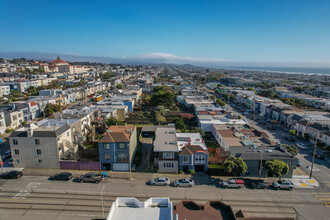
246,31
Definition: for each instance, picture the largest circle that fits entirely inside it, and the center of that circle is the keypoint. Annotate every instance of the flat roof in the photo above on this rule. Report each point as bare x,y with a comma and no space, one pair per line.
133,209
165,140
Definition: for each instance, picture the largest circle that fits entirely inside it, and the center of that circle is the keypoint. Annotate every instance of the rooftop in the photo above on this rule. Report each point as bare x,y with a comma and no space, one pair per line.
133,209
118,133
165,140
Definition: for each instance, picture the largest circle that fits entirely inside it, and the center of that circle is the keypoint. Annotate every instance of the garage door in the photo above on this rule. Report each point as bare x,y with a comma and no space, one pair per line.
199,168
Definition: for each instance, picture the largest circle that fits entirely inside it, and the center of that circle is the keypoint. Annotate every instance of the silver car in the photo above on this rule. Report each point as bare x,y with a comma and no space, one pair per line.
184,183
160,181
283,184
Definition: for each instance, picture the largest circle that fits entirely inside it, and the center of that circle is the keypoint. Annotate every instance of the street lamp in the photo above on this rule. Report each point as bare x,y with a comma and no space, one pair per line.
102,202
311,172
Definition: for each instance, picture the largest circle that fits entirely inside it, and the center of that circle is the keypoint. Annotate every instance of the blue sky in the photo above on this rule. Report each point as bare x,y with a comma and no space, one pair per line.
234,30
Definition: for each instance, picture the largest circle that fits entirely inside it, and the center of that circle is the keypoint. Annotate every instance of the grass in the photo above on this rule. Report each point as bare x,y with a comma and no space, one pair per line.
211,143
215,166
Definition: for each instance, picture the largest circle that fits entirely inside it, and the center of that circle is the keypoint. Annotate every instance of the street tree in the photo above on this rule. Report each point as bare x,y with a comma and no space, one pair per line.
277,167
235,165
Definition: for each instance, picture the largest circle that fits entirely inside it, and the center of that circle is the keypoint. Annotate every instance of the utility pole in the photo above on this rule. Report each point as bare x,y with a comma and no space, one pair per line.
311,172
262,152
254,111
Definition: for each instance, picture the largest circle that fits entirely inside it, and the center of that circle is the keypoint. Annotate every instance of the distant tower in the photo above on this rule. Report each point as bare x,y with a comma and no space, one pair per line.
58,58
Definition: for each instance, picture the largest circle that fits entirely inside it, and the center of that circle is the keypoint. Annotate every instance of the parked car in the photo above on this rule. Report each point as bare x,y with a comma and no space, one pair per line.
319,156
12,175
91,177
299,163
160,181
184,182
257,184
289,138
283,184
302,146
232,183
62,176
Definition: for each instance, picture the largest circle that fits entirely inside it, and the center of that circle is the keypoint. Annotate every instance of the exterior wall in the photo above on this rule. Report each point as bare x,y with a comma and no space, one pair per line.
27,152
2,123
5,90
14,119
132,145
163,166
81,165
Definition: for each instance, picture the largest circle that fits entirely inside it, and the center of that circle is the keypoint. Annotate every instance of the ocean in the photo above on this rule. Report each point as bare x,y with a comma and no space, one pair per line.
289,70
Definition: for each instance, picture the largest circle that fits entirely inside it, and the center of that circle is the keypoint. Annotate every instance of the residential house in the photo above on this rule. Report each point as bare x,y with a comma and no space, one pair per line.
166,152
117,148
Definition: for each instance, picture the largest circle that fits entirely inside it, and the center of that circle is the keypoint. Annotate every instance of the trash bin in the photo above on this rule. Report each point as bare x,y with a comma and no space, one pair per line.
133,168
105,174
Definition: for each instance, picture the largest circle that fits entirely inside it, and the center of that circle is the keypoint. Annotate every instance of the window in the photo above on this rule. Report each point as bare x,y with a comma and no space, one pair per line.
39,161
106,146
185,159
107,156
168,155
121,146
18,161
200,158
168,165
37,141
122,158
67,134
15,141
38,151
16,151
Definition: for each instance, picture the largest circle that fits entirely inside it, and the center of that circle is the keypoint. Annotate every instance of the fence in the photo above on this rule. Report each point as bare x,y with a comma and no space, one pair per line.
81,165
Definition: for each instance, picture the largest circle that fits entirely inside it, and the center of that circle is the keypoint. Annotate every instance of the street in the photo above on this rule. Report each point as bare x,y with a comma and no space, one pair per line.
32,197
321,167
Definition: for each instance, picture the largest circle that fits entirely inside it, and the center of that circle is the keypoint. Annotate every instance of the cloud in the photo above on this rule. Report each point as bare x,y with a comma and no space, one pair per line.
171,58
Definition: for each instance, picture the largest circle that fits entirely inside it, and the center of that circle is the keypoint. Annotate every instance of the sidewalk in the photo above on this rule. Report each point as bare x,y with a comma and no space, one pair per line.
303,182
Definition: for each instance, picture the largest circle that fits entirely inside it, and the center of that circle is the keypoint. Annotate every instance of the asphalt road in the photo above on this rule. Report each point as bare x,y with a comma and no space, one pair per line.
33,197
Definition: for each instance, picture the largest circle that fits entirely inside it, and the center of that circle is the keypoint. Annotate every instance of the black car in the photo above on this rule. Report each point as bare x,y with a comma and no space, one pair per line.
257,184
62,176
12,175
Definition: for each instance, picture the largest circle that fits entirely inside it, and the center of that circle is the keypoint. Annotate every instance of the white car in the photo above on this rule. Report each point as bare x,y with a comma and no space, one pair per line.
302,146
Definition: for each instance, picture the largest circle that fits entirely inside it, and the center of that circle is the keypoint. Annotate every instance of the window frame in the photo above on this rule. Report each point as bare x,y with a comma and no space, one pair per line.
38,150
166,155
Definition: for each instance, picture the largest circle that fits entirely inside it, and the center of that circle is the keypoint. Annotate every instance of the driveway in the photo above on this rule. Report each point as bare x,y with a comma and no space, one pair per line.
146,149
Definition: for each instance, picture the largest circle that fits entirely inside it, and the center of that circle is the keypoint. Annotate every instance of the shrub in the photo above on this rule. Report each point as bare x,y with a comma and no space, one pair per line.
192,171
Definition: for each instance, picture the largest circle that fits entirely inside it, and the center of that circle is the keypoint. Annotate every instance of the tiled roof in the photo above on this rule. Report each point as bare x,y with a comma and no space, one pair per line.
117,134
191,150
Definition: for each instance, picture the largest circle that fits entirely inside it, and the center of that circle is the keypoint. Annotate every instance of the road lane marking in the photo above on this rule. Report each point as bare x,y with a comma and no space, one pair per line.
22,194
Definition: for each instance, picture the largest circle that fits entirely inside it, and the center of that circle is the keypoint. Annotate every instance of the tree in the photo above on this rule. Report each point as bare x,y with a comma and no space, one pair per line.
162,96
277,167
292,132
179,124
162,110
239,117
187,116
198,130
269,93
51,108
119,86
111,121
212,97
220,102
292,149
160,118
235,165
